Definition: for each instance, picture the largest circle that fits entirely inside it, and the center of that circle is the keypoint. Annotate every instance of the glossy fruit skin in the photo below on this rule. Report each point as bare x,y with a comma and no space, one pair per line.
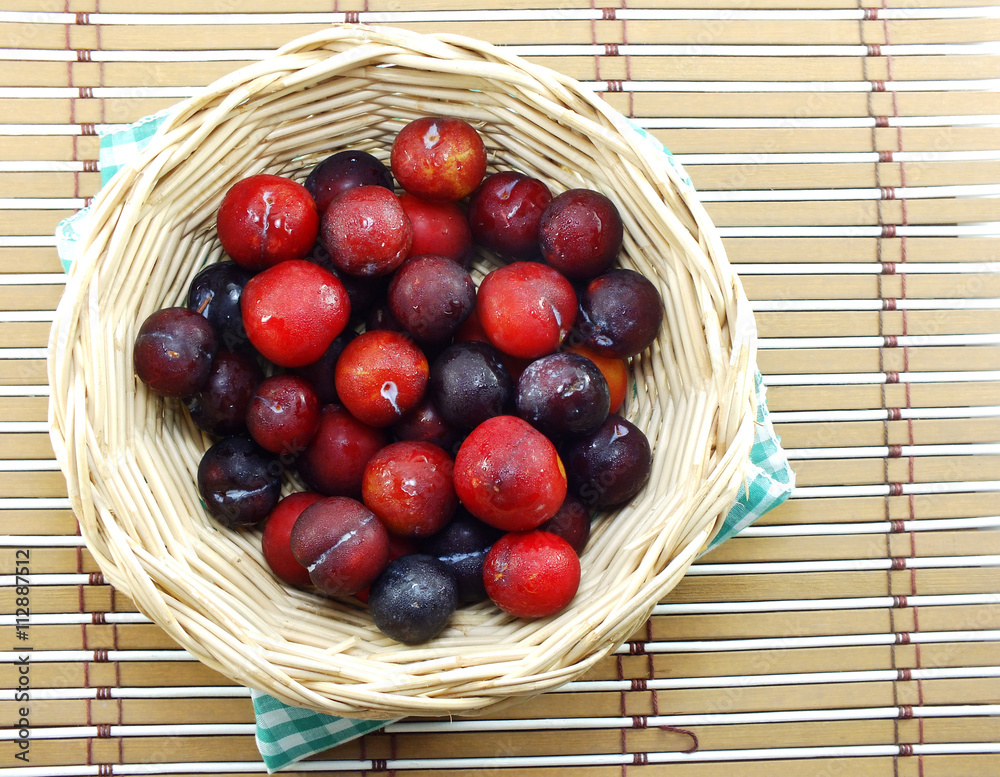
173,351
580,233
381,376
239,481
366,231
621,313
572,522
410,487
215,291
293,311
563,394
334,461
341,543
430,296
342,171
469,383
413,599
531,574
615,372
284,414
276,538
609,466
509,475
265,219
439,228
526,309
220,408
462,546
504,213
438,158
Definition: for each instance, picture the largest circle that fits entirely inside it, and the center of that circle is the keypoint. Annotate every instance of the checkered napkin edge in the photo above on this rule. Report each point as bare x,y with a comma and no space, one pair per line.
288,734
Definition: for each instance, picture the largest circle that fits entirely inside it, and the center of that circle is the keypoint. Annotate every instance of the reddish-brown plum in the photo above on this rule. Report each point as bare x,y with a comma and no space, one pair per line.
276,538
469,383
609,466
293,311
509,474
563,393
266,219
284,414
430,296
621,313
342,544
220,407
439,228
410,487
580,233
526,308
239,482
173,351
438,158
345,170
334,461
366,231
504,213
381,376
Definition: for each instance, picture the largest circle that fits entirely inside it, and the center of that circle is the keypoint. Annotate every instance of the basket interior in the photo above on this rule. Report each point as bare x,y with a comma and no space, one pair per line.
209,586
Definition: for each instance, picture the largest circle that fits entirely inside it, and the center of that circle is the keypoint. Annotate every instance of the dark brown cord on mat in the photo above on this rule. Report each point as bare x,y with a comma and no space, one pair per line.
889,231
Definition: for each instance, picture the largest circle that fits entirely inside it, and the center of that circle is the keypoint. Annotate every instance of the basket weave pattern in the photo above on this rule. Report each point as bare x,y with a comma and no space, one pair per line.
130,457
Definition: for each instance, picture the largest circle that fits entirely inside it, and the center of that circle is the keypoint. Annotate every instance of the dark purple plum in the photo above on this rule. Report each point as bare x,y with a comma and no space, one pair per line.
220,407
425,424
609,466
412,600
173,351
215,293
571,522
342,171
620,314
563,393
239,481
469,383
462,546
320,372
430,296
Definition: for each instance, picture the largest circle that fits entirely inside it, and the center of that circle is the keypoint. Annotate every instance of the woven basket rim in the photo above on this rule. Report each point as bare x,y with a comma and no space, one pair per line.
137,528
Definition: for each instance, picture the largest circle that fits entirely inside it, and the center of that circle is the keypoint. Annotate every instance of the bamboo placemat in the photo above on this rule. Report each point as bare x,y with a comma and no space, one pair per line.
851,158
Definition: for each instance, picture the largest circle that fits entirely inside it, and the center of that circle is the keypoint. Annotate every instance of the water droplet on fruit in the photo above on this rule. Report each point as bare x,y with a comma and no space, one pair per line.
432,136
390,391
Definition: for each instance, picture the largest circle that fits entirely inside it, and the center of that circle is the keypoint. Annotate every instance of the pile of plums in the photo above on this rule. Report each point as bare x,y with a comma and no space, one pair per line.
438,442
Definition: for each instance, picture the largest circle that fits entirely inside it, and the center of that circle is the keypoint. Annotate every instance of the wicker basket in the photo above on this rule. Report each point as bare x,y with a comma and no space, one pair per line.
130,457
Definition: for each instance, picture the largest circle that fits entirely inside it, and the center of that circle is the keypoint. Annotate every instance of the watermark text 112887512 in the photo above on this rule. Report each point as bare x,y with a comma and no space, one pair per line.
22,634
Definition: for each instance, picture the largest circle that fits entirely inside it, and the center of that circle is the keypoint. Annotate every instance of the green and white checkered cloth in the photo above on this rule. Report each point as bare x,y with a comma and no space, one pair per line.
288,734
